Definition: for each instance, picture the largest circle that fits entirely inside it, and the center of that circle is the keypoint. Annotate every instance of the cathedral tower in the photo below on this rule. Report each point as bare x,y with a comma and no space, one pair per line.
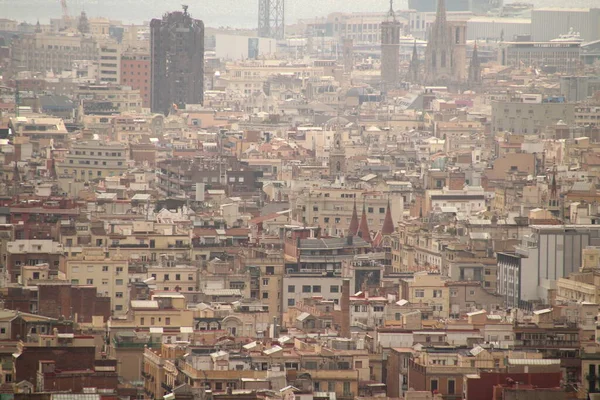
445,57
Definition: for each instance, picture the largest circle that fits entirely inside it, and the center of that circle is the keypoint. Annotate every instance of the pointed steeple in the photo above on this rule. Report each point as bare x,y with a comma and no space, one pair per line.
413,69
38,27
363,228
388,223
475,68
353,228
440,14
391,12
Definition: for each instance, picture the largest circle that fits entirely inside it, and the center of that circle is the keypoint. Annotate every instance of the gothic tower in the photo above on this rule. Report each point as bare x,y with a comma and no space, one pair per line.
390,49
413,69
445,57
475,68
337,154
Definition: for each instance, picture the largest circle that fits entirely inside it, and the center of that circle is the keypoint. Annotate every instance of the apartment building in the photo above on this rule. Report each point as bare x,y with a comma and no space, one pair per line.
108,274
529,114
297,287
560,56
44,52
135,72
331,208
109,63
180,278
23,252
108,99
94,159
40,129
428,289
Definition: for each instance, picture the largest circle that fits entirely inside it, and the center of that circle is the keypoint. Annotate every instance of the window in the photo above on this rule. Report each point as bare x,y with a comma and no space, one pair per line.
74,281
378,308
168,321
291,288
451,386
265,295
90,282
453,292
118,307
166,277
437,293
419,293
370,210
190,277
105,268
334,289
381,210
142,321
177,277
104,281
434,385
119,295
316,289
119,282
291,302
306,289
265,281
152,320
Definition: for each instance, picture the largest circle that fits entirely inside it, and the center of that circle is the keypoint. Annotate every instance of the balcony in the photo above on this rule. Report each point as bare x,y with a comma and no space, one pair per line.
167,387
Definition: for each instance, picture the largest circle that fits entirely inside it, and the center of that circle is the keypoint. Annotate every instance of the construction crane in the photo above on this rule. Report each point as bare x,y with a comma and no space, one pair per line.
65,10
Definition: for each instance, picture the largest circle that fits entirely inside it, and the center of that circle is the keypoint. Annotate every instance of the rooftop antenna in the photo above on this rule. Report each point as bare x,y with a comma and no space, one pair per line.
185,8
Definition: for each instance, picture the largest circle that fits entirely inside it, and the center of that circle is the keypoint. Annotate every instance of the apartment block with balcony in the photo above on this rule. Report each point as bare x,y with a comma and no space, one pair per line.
20,253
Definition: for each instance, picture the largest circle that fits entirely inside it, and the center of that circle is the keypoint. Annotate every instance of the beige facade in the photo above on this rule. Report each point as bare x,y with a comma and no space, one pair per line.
331,208
429,289
109,63
94,159
178,278
579,287
52,51
108,274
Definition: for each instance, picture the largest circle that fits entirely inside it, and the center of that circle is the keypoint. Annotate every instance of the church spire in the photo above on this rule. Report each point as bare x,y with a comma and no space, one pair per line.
388,223
475,67
440,14
413,69
363,228
391,12
353,228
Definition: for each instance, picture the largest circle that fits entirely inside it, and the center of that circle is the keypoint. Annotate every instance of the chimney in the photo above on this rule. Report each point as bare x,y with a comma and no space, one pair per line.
345,305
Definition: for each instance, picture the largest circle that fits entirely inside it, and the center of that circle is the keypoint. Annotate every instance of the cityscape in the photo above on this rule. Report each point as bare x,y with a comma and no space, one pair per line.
279,200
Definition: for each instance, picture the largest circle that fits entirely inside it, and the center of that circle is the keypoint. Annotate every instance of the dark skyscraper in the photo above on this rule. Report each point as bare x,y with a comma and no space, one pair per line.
177,65
390,49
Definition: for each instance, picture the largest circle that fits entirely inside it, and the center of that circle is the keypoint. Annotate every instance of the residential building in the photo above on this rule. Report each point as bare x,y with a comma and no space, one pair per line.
135,72
94,159
428,289
108,274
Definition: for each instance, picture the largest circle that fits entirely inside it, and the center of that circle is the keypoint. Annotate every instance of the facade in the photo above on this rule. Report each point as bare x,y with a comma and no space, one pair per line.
549,23
530,114
109,63
177,61
427,289
563,56
331,208
390,50
108,99
445,55
51,51
135,72
108,275
93,160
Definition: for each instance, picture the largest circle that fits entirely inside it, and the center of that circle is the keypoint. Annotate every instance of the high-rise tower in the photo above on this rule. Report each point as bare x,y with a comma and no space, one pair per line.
177,61
271,19
390,49
445,57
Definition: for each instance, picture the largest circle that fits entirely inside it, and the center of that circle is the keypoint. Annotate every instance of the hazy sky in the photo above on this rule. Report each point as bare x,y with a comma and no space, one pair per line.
238,13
